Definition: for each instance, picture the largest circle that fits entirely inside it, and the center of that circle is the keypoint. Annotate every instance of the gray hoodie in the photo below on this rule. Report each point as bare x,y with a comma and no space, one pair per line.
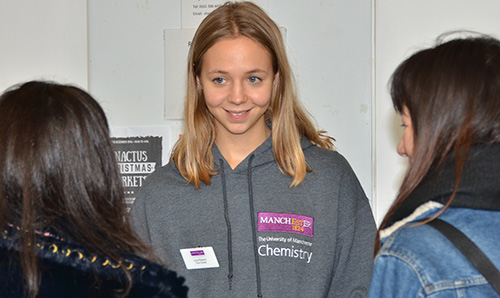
270,240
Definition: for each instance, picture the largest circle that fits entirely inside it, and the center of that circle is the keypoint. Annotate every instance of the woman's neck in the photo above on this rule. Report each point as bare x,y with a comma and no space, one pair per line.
235,148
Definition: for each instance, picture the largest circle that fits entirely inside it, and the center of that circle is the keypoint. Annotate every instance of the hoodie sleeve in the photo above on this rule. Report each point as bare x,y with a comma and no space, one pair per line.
139,216
355,240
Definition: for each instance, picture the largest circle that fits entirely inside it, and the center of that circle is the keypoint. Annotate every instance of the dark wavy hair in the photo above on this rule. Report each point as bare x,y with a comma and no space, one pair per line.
452,92
59,174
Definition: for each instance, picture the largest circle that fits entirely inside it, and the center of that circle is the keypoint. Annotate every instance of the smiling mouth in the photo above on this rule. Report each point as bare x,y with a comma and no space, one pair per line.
240,113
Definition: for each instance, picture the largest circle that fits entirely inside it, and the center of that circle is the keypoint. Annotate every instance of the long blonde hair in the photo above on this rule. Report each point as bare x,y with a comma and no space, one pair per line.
192,153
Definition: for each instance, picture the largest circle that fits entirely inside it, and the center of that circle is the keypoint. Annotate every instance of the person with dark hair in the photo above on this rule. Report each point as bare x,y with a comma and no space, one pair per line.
254,201
449,99
65,229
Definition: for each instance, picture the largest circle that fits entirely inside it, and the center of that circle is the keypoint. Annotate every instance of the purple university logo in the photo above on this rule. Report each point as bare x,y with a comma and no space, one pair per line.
197,253
285,222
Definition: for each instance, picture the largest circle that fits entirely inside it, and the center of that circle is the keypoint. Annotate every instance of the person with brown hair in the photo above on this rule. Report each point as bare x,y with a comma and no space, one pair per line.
449,100
254,201
65,229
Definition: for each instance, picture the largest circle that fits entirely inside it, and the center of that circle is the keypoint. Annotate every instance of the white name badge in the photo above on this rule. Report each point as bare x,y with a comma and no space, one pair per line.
199,258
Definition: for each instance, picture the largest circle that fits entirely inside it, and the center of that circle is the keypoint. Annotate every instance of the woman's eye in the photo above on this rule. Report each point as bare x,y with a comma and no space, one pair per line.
218,80
254,79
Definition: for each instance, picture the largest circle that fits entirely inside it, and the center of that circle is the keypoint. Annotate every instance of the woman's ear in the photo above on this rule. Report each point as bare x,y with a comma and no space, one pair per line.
276,78
198,83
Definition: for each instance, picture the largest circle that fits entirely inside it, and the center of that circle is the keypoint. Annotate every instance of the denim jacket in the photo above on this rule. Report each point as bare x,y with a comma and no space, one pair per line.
418,261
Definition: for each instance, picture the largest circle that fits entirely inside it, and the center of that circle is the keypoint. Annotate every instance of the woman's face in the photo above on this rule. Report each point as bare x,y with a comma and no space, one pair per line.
237,79
405,146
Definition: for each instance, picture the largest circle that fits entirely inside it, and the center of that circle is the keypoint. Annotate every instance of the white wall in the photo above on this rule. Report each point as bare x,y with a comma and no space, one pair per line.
329,47
401,28
48,39
43,39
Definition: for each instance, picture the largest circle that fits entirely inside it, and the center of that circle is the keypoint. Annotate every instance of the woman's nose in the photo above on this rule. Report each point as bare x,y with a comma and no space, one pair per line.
401,148
237,95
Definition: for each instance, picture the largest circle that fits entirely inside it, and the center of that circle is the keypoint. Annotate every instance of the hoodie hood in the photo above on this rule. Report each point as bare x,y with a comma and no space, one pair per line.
261,156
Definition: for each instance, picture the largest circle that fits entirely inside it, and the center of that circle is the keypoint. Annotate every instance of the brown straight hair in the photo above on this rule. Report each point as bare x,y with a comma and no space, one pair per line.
452,92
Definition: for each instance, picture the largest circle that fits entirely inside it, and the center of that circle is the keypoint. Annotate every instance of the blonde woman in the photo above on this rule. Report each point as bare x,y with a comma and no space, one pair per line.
254,201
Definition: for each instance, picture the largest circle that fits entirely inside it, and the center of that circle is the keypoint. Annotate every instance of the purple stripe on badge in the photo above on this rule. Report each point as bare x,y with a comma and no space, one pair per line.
285,222
197,253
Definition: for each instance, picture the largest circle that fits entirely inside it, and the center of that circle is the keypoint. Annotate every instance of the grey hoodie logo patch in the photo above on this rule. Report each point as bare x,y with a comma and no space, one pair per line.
285,222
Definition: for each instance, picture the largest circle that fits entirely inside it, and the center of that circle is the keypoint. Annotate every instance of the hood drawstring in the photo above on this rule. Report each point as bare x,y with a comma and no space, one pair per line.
228,227
254,230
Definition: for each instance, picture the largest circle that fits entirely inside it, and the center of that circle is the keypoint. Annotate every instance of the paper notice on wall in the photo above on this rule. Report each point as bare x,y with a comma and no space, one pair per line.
139,151
177,43
194,11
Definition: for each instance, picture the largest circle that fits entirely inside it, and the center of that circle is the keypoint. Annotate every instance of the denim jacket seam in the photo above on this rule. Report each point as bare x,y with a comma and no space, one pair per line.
406,258
455,284
427,285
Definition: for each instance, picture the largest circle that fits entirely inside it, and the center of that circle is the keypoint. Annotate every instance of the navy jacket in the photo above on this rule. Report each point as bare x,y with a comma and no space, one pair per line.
67,271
